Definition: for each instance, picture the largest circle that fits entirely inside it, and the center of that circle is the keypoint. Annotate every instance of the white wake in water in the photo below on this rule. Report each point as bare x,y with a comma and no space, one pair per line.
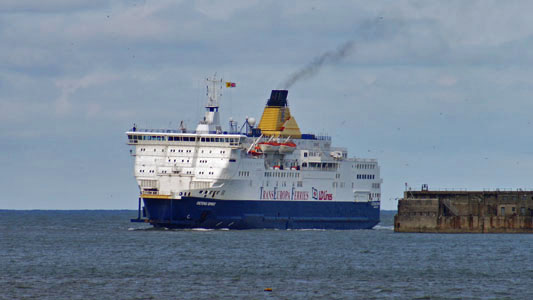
380,227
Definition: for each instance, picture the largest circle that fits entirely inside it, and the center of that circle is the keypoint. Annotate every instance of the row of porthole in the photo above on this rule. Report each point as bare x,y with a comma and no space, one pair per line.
364,166
171,150
283,183
180,150
144,149
212,192
181,160
202,173
282,174
366,176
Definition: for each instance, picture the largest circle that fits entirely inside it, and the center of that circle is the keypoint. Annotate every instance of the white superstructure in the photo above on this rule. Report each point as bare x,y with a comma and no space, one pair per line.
254,165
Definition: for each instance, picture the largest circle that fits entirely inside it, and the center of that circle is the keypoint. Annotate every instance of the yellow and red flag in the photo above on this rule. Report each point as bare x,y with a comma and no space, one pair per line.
230,84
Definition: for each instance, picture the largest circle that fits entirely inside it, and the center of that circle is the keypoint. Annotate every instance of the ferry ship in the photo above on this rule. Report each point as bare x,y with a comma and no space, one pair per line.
265,176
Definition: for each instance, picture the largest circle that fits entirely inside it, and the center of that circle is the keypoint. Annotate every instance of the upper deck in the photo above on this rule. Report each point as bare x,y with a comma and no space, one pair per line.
136,135
169,136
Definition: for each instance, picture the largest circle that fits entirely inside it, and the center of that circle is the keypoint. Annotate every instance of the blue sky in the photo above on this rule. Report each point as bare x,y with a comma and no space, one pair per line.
438,91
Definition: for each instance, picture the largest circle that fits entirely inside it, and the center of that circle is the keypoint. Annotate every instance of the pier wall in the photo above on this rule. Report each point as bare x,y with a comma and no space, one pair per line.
465,211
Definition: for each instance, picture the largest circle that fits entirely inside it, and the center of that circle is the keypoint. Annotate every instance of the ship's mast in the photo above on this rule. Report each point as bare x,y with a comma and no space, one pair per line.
211,121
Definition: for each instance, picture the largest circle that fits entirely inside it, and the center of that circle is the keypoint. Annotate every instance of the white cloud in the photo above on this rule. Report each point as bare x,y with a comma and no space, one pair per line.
471,23
222,10
69,86
448,73
48,5
447,80
133,22
16,111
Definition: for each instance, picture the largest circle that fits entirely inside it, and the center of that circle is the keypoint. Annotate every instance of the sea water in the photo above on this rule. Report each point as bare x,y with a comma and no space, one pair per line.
101,255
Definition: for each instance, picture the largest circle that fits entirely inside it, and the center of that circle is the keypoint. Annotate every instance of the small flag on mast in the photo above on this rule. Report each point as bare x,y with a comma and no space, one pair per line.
230,84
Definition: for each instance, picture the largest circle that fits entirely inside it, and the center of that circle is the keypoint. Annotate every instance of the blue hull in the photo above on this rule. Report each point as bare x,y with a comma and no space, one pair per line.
192,212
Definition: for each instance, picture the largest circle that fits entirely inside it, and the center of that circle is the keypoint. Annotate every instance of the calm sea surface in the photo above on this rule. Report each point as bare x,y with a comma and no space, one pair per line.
101,255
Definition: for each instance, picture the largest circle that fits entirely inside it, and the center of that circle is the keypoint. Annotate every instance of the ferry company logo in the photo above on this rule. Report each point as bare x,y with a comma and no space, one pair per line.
321,195
315,194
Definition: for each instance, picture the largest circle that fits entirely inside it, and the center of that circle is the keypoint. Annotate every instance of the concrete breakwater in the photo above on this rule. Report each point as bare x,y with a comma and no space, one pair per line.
465,212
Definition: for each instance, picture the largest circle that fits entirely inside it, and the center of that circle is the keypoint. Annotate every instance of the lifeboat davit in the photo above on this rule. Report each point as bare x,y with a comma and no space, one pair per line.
287,147
269,146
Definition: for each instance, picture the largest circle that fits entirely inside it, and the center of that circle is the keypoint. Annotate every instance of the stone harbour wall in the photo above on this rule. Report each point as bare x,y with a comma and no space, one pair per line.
465,212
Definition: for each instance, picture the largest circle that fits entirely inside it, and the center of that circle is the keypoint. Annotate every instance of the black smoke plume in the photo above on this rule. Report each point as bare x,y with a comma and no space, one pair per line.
314,66
373,29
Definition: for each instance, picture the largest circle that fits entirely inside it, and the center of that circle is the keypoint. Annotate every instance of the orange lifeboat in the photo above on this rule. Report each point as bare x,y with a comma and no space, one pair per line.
269,146
287,147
